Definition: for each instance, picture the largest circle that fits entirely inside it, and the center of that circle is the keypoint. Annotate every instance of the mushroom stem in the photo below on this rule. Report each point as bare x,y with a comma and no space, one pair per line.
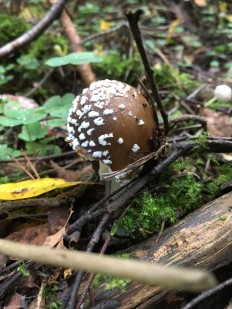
111,185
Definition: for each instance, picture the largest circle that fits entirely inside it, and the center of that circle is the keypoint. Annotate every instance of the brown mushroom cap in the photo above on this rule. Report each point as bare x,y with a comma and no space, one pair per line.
111,122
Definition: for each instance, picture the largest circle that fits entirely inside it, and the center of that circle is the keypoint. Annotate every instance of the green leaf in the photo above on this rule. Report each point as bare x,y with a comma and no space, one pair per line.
42,149
52,103
57,122
24,116
33,131
73,58
6,153
58,108
67,99
9,122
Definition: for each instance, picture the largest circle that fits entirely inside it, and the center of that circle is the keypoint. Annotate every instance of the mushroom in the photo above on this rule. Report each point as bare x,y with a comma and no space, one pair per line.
111,122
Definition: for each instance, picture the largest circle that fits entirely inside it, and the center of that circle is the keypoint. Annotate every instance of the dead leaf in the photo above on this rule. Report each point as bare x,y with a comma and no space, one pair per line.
57,238
68,272
17,301
34,187
35,235
227,156
201,3
104,25
24,102
172,29
218,124
57,218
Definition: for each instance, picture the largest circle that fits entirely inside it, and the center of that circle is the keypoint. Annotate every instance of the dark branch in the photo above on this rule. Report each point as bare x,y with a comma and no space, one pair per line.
133,19
208,293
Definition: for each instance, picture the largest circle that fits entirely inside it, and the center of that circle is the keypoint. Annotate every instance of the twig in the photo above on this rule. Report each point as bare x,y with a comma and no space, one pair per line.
208,293
23,168
40,83
44,158
93,241
104,33
189,118
5,285
150,273
133,19
36,31
91,276
30,164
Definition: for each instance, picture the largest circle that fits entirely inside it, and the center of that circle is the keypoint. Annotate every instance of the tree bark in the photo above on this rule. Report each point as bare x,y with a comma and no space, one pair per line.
203,240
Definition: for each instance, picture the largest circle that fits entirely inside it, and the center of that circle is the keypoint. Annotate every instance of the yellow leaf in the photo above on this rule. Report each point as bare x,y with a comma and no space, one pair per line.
172,29
223,7
35,187
104,25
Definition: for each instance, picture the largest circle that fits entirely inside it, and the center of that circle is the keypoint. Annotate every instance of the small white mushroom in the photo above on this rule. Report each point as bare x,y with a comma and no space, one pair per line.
223,93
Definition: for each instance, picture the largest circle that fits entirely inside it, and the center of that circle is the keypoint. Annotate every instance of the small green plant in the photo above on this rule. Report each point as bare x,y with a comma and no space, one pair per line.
5,73
115,66
33,125
4,180
23,270
52,301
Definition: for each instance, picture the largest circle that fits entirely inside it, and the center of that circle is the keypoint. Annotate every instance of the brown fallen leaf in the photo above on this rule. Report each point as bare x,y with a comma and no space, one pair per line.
57,218
16,301
218,124
57,238
24,102
32,235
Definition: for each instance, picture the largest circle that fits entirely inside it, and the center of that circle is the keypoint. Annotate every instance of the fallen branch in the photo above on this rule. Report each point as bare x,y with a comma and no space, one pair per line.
36,31
202,239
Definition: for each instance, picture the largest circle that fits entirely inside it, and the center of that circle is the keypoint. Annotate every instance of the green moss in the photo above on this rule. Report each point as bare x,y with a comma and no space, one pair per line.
224,175
169,76
50,294
148,212
112,282
202,142
11,27
46,44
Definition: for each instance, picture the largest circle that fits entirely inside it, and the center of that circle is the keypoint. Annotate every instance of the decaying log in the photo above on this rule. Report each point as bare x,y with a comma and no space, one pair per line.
203,240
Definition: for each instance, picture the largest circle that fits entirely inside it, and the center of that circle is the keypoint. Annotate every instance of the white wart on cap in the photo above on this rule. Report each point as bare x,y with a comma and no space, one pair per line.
111,122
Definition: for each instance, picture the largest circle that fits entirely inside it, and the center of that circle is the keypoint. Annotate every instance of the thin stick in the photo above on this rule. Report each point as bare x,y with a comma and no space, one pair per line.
149,273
